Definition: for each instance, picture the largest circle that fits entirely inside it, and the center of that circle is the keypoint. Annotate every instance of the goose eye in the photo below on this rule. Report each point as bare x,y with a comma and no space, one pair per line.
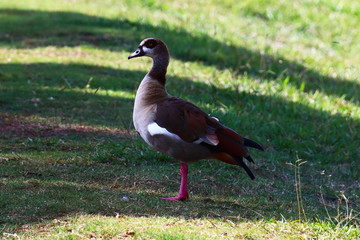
150,44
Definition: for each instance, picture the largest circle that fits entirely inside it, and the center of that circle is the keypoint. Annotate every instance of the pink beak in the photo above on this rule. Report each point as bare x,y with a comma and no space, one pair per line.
138,53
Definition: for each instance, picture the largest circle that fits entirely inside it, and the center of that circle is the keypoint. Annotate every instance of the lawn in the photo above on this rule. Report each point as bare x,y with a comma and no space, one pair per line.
283,73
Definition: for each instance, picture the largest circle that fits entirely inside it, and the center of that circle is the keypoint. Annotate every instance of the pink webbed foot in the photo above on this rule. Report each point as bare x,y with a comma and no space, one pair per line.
178,198
183,193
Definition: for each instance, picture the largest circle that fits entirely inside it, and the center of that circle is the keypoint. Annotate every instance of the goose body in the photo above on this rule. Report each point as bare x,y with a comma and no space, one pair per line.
178,128
146,122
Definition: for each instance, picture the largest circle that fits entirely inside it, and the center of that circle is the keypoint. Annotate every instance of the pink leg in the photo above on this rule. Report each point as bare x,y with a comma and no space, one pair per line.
183,194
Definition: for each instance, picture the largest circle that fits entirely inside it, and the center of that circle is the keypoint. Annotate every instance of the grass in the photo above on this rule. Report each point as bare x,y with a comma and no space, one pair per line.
282,73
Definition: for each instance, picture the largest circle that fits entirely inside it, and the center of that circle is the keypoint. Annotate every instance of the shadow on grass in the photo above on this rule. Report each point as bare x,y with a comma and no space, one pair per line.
14,125
40,89
37,189
63,91
32,193
29,28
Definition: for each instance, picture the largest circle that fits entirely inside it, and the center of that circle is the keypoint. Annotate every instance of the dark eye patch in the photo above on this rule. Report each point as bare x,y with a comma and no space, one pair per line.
150,43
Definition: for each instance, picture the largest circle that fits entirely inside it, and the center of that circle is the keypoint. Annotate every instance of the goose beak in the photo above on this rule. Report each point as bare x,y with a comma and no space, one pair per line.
138,53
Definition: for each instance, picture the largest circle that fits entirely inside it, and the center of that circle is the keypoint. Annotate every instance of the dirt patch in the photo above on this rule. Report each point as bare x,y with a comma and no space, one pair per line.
14,125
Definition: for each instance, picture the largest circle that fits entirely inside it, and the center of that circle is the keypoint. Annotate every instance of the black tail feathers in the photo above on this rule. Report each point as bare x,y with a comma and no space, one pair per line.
252,144
250,159
244,166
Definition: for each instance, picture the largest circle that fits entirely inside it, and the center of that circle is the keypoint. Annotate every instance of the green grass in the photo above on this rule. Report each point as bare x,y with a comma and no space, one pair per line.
284,73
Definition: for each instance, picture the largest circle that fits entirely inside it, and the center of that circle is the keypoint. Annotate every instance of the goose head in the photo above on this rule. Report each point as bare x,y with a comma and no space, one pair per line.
150,47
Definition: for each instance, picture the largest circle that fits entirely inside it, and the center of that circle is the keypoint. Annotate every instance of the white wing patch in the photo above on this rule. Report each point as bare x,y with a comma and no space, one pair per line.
214,118
155,129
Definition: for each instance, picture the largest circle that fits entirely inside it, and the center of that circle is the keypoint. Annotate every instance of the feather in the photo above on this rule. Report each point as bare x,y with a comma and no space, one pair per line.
252,144
250,159
232,148
244,166
186,120
155,129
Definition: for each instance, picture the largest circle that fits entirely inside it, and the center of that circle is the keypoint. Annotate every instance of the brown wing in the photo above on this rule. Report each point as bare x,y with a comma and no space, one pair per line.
190,123
186,120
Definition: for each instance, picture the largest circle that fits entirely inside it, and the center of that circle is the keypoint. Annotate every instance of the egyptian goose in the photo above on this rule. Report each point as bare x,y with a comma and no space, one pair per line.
177,127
